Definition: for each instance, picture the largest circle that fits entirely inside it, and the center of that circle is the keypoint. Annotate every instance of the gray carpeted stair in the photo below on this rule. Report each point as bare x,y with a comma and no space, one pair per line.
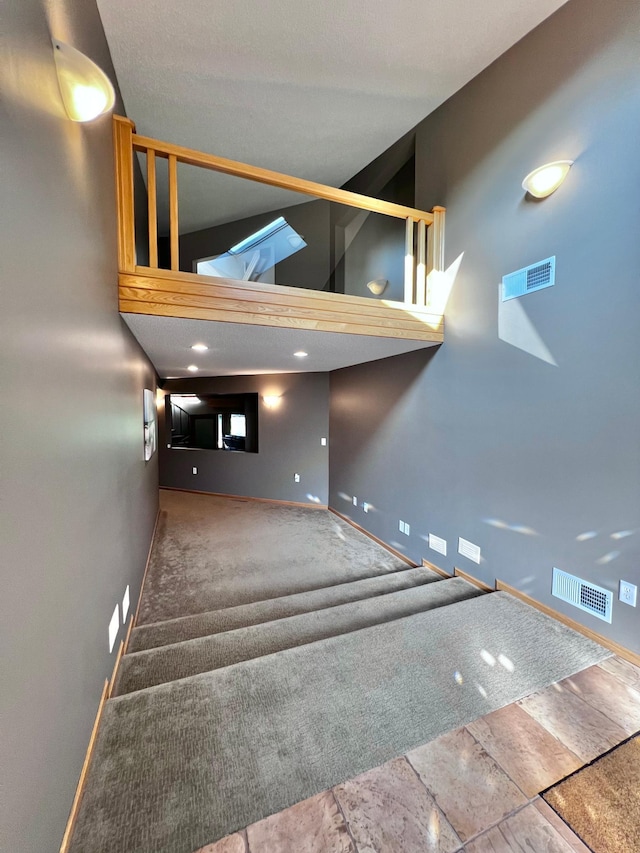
216,621
180,660
180,765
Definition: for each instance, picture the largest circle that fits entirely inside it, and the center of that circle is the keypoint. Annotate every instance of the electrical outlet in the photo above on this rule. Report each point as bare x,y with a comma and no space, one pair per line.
628,593
194,470
354,500
296,478
365,507
401,526
407,528
323,442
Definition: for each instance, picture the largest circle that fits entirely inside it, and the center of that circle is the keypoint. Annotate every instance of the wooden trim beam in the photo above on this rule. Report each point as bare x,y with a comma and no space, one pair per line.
277,179
458,573
619,650
123,159
188,282
436,569
66,838
146,569
381,542
276,321
114,672
270,305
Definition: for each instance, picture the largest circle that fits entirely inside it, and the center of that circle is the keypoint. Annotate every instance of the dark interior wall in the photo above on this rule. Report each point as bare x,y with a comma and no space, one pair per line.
78,503
521,432
309,268
288,441
375,248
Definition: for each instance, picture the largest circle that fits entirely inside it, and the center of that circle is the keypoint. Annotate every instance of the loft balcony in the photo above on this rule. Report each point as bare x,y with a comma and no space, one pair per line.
258,264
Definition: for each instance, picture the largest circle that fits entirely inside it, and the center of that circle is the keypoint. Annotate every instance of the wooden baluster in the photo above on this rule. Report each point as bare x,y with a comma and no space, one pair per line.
173,212
152,208
438,238
123,129
421,270
408,263
435,246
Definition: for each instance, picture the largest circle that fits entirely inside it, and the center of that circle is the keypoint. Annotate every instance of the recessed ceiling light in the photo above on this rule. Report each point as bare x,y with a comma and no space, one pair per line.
301,354
200,347
193,368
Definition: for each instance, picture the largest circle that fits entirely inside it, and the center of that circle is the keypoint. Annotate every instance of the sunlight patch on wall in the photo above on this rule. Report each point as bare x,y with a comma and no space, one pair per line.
515,328
440,284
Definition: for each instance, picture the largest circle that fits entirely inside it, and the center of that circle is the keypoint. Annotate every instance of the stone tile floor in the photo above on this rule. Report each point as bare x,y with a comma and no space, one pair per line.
474,789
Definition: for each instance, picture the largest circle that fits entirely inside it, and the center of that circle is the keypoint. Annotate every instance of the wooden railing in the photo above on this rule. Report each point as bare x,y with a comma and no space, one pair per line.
424,252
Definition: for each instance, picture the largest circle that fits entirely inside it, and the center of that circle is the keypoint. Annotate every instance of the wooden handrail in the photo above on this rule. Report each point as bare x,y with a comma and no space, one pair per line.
277,179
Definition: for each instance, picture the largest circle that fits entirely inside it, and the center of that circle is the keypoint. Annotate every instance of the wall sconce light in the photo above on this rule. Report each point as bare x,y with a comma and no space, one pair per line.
378,286
271,401
86,90
546,179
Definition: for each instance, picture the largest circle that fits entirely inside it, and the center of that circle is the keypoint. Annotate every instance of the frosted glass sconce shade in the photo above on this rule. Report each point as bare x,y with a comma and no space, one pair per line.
272,401
378,286
86,90
546,179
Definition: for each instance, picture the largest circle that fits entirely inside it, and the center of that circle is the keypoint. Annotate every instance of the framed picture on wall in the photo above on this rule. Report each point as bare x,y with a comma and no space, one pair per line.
150,424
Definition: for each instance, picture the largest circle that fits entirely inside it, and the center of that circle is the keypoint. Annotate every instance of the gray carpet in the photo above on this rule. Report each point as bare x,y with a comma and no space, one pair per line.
158,666
215,622
180,765
212,552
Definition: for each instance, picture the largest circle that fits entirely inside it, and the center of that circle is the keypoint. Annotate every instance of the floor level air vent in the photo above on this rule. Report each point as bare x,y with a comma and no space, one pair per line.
534,277
587,596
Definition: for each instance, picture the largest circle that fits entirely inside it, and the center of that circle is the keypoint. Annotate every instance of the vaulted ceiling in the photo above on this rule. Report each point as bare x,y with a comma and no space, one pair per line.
313,89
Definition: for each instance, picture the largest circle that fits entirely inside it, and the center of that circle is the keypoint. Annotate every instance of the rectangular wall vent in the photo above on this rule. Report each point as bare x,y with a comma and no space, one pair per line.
469,550
438,544
534,277
586,596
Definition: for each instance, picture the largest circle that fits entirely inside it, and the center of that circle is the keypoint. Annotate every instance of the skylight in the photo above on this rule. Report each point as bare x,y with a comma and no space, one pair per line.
257,253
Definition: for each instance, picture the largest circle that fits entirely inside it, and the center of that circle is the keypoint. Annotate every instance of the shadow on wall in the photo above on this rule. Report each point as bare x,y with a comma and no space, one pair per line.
366,403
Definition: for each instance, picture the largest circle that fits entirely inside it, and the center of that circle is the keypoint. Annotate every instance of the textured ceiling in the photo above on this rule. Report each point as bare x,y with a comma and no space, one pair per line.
314,89
239,350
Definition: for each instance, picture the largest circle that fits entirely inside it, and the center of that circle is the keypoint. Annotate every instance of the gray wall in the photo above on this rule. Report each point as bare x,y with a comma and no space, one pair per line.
288,441
521,432
78,503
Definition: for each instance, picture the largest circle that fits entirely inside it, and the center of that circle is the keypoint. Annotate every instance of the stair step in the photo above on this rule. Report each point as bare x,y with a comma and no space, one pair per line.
178,766
216,621
181,660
